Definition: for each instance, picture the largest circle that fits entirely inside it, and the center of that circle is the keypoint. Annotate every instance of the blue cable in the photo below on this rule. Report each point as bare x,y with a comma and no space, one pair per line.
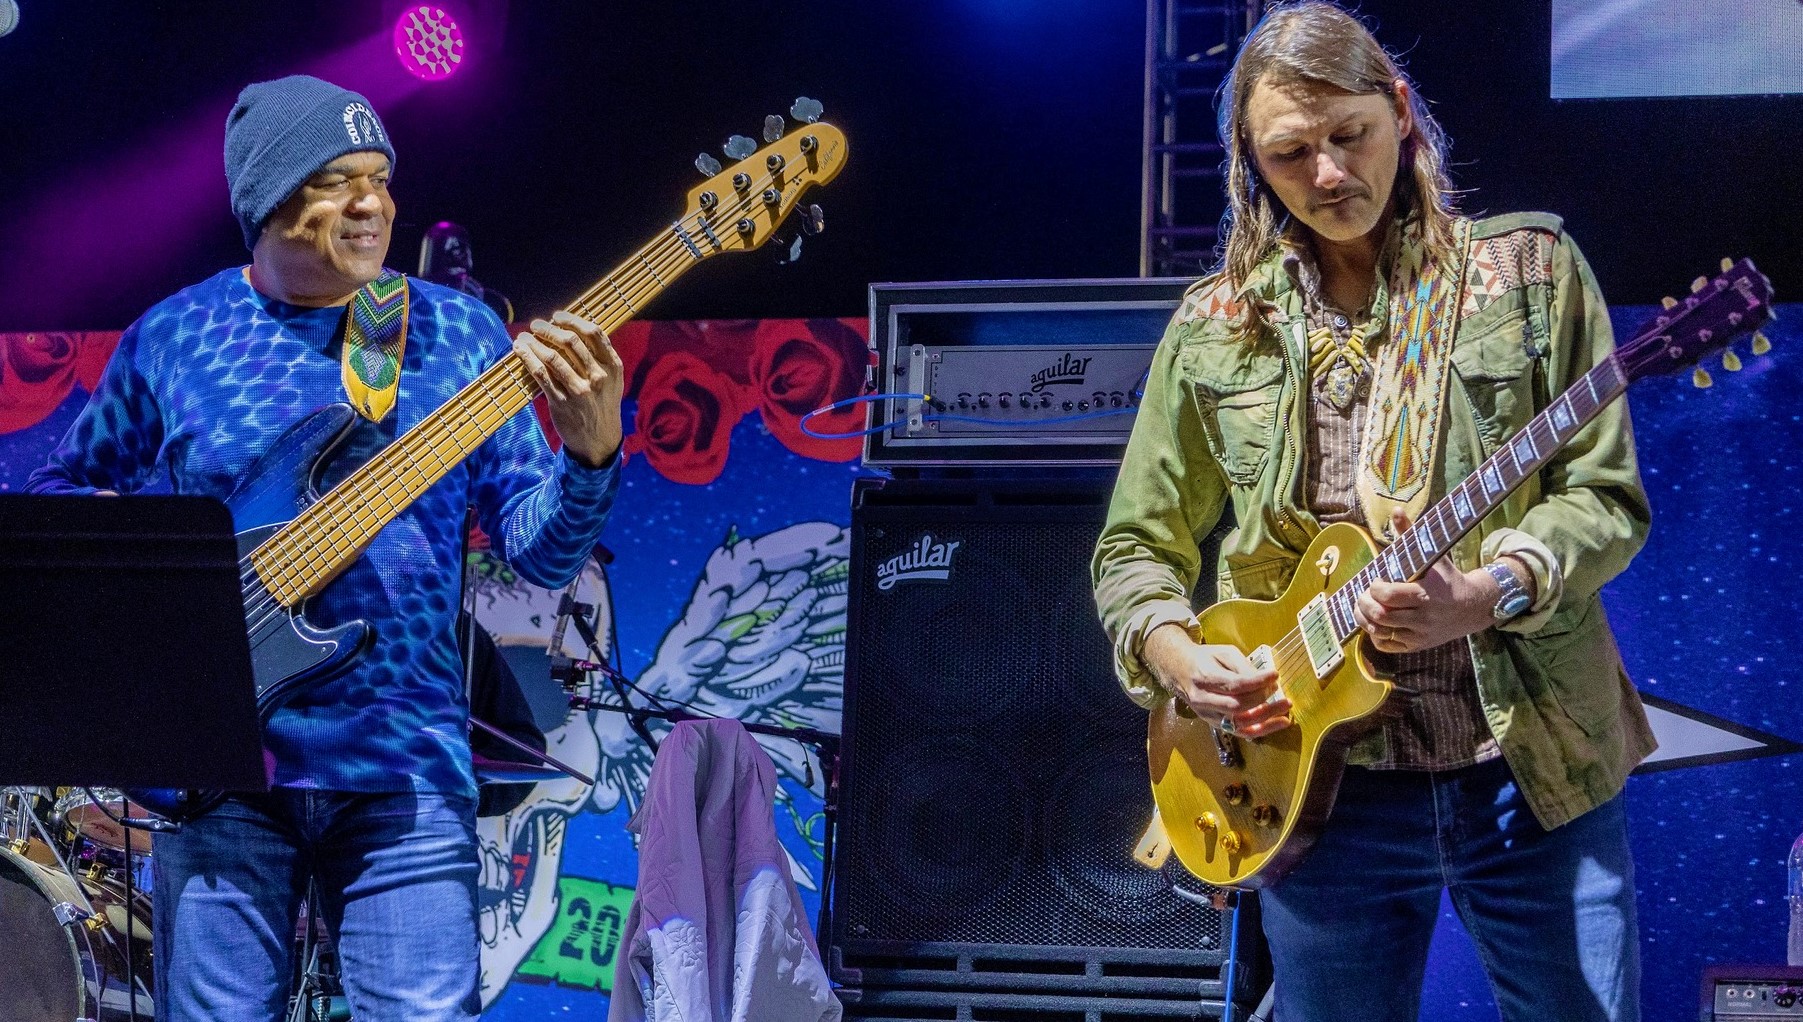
847,403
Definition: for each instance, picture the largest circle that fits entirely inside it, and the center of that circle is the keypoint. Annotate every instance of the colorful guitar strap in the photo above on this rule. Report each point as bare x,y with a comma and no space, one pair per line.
1408,392
375,339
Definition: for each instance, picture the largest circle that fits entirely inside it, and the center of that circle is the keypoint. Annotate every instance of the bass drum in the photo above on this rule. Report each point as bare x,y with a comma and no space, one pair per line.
55,973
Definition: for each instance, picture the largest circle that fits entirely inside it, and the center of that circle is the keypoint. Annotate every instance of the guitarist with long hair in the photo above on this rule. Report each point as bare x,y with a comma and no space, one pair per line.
373,798
1360,350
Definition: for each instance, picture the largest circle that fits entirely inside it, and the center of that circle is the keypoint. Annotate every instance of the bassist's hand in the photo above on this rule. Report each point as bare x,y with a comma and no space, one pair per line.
582,376
1217,682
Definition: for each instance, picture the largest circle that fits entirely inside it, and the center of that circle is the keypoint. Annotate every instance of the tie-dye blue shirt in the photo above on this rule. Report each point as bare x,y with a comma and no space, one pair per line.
205,382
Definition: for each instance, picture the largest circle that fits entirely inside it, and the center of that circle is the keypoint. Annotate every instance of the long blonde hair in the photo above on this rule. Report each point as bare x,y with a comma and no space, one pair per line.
1314,42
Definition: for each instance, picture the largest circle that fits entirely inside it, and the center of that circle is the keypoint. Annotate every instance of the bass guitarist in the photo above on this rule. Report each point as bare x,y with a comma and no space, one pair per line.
373,797
1359,351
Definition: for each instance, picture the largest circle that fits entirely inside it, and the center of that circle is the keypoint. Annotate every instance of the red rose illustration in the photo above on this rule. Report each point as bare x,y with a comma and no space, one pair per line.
798,366
724,344
38,357
37,371
686,412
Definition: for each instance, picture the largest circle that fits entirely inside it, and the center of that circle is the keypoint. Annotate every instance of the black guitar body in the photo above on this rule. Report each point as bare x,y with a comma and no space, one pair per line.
287,653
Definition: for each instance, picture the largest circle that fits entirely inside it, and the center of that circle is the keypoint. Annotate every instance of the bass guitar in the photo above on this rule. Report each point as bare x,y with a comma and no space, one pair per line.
1240,812
300,540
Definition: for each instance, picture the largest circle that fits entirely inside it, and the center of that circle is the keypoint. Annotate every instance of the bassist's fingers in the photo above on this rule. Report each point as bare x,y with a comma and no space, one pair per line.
524,347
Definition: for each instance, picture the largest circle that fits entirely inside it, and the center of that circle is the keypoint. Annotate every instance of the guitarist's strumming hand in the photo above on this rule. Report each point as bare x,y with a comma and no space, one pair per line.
1217,682
576,366
1445,604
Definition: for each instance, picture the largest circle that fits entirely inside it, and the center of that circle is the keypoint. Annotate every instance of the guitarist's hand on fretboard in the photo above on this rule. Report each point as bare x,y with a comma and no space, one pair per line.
1216,682
1443,605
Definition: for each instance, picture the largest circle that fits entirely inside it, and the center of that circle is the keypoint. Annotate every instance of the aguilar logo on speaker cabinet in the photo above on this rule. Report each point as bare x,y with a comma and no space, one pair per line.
925,559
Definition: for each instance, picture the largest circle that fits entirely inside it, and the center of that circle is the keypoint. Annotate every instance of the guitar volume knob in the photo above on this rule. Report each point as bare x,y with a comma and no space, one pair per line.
1206,822
1264,815
1237,794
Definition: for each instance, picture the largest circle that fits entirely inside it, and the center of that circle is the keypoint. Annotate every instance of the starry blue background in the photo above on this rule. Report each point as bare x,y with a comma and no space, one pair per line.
1705,615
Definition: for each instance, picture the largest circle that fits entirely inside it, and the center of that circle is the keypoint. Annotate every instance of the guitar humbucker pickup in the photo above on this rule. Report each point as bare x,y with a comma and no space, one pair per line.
1318,638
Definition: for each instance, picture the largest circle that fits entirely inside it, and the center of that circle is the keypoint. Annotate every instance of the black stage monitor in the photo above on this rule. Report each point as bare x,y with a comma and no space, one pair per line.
123,657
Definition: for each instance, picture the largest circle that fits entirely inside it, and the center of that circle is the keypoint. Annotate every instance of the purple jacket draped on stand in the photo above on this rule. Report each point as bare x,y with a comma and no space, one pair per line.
716,932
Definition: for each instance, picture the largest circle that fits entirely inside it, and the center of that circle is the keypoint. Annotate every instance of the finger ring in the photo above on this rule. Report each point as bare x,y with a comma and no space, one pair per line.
1226,725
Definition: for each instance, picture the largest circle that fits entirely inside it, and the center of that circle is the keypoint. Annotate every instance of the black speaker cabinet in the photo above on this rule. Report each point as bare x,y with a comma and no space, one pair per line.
995,780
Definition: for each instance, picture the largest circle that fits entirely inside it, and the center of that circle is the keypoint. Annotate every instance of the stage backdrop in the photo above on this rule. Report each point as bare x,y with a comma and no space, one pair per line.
726,591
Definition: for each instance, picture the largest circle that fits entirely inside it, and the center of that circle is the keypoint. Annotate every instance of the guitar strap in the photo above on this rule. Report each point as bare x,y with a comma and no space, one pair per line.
1408,390
375,339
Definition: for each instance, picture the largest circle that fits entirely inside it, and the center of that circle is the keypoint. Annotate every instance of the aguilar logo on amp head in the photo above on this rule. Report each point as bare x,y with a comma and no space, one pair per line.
924,560
1069,369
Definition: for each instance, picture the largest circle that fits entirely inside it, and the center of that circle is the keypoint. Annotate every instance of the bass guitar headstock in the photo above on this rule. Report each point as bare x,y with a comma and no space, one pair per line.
740,206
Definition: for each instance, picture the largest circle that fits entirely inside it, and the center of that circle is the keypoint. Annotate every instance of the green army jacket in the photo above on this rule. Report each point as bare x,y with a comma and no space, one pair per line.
1222,423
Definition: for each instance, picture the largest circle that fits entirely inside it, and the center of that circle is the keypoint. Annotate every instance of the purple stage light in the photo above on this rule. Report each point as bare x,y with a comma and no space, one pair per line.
428,42
115,223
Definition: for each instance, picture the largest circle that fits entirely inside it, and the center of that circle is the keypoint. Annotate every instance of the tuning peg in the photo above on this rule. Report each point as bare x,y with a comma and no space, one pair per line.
773,128
806,110
707,165
1761,344
738,147
1727,264
1698,284
788,250
1701,378
1731,361
1669,302
813,221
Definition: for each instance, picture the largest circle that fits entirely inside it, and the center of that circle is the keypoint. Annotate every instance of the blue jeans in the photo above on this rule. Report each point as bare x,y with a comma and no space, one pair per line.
396,875
1551,912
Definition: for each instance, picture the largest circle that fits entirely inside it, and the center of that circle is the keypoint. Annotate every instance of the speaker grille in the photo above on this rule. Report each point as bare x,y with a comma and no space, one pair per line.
995,780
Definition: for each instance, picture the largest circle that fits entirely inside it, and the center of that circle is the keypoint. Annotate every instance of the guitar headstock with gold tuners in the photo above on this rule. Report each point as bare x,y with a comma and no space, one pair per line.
1734,302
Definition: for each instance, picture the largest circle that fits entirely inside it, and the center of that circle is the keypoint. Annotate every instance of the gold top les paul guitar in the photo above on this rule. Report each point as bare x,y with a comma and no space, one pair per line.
1242,812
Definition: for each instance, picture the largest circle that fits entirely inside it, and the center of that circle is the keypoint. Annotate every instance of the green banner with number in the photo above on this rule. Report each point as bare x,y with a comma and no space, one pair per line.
579,949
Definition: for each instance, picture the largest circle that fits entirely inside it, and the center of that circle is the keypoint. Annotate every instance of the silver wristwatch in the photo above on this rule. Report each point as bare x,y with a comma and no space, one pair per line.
1514,600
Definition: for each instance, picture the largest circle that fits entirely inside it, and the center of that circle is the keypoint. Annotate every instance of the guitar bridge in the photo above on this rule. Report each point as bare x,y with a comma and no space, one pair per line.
1318,638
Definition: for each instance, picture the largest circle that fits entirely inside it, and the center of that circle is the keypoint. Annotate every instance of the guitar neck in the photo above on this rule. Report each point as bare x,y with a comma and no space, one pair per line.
1457,513
324,539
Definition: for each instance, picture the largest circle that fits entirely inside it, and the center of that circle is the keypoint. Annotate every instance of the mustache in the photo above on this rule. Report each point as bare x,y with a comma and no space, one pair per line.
1337,194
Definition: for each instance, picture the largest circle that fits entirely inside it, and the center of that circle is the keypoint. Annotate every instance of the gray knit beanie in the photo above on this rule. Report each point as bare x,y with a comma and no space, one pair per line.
280,133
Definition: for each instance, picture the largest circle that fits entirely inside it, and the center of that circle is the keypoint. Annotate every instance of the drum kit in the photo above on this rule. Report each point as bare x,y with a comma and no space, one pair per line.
73,950
74,906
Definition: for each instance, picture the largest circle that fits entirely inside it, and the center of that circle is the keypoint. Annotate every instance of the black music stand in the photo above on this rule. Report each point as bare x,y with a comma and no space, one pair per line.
123,655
